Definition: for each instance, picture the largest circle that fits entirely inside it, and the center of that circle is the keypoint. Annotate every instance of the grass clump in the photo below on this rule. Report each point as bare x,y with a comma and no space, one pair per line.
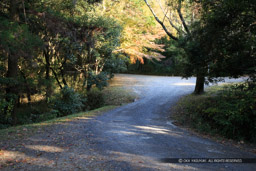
118,96
229,111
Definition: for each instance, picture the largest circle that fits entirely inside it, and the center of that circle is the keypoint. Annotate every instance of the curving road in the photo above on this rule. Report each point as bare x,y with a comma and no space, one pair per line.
136,136
132,137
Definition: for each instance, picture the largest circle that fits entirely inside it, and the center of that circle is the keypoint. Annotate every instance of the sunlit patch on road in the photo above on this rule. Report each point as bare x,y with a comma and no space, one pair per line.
45,148
183,84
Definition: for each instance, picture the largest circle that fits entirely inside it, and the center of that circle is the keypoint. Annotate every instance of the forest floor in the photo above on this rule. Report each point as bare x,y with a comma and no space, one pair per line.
135,136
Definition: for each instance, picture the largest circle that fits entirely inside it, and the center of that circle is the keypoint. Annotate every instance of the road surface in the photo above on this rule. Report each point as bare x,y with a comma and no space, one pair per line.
139,134
135,136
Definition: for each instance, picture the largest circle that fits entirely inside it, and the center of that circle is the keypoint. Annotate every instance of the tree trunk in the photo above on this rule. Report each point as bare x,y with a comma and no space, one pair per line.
28,90
63,77
14,10
88,87
12,71
47,74
56,77
199,89
62,72
12,89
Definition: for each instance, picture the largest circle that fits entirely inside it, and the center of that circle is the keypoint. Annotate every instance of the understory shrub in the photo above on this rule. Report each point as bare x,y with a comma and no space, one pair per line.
5,112
95,98
30,113
68,101
47,116
230,113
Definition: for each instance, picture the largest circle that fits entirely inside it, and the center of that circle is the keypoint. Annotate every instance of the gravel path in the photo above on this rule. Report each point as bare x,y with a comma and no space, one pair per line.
132,137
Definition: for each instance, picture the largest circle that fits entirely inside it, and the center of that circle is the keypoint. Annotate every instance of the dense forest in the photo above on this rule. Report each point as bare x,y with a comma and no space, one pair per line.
55,48
55,52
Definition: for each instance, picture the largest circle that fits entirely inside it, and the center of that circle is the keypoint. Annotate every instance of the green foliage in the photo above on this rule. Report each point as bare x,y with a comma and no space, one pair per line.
95,98
117,63
47,116
226,38
26,113
217,40
5,112
68,102
59,43
16,37
53,43
173,63
230,112
99,80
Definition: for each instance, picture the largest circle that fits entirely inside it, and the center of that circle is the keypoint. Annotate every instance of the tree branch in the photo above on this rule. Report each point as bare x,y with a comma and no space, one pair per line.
181,18
24,11
160,22
169,19
56,77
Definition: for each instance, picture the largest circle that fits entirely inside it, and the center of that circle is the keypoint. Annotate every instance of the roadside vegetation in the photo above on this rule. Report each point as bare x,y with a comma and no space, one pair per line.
68,102
21,131
228,110
57,56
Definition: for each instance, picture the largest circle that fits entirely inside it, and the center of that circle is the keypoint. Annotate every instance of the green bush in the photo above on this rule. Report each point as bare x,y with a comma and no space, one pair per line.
68,101
48,116
95,98
99,80
5,111
30,113
230,113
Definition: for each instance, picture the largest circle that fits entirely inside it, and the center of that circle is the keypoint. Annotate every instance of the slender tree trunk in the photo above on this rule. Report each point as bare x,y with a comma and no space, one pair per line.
62,72
86,79
199,89
47,74
63,77
12,89
28,90
14,10
88,87
56,77
12,71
